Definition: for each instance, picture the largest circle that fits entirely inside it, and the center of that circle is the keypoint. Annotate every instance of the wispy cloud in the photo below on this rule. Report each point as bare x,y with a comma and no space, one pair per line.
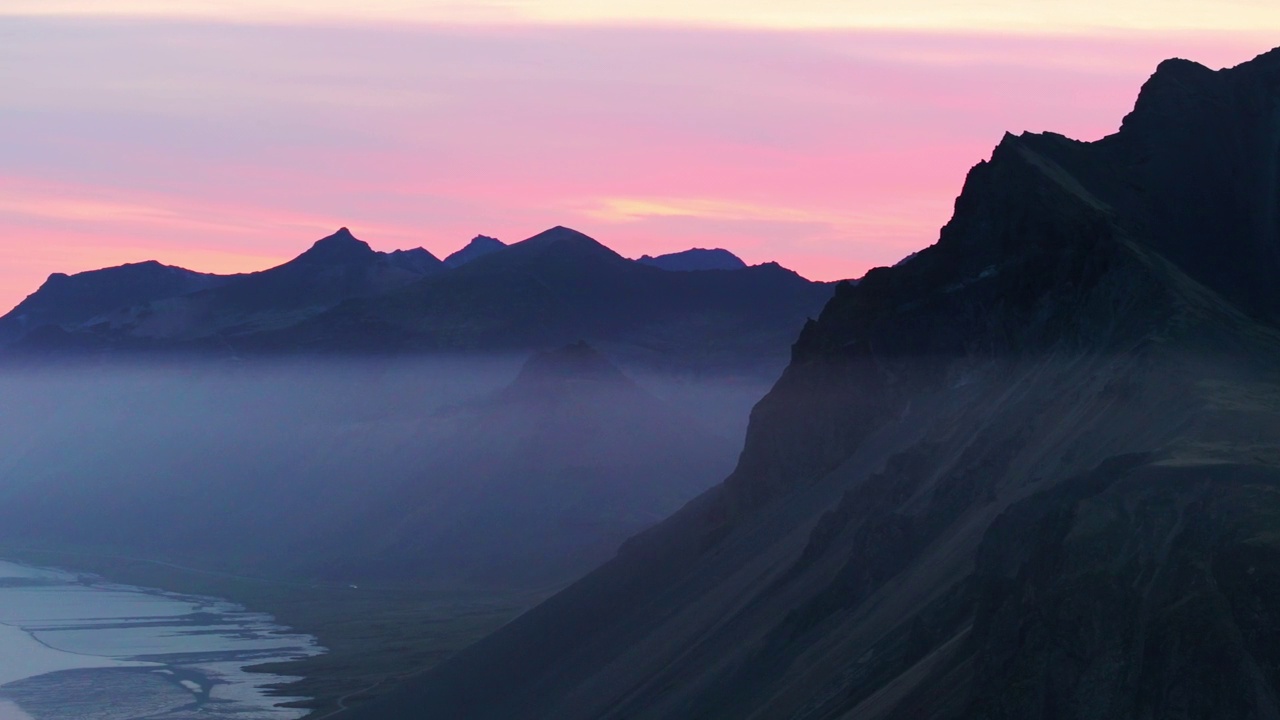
851,224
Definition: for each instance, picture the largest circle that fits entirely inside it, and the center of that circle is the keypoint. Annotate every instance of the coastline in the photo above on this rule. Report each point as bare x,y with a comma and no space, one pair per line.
374,636
69,640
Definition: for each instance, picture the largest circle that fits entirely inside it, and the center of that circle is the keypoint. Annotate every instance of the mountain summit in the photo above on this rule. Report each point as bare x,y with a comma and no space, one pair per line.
695,259
479,246
340,247
576,360
1031,472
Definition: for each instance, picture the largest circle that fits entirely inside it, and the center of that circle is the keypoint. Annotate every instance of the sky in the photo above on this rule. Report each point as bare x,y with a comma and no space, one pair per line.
829,135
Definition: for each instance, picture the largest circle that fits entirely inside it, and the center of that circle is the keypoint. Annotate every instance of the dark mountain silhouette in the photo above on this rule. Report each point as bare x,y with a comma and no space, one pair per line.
334,269
1031,472
695,259
417,260
83,297
149,306
560,286
342,297
479,246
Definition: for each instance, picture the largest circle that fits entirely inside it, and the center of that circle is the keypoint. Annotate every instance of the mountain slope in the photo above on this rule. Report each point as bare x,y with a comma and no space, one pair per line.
335,268
149,306
695,259
342,298
479,246
1032,472
540,482
83,297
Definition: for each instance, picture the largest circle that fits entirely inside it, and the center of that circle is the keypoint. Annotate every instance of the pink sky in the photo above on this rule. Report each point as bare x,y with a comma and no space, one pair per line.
230,144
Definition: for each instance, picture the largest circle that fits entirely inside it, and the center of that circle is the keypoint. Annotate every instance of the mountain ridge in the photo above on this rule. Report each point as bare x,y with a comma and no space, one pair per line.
695,259
1025,474
342,297
478,247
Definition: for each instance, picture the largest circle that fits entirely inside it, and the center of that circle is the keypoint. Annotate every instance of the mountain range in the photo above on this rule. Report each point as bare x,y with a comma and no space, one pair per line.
341,297
1031,472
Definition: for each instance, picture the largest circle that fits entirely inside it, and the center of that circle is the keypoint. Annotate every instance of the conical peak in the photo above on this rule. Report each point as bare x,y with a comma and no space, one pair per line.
575,361
339,247
566,245
559,234
479,246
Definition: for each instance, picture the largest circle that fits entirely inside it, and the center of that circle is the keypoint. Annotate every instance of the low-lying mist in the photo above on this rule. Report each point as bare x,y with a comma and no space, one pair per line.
461,471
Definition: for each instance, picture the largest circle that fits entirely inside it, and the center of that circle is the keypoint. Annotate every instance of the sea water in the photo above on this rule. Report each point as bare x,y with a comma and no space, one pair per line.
75,647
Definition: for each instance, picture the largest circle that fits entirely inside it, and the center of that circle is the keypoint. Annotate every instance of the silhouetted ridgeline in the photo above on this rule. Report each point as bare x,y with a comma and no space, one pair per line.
343,298
695,259
1032,472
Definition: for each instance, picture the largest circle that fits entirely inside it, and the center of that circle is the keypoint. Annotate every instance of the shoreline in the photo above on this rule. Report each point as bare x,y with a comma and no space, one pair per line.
375,636
61,627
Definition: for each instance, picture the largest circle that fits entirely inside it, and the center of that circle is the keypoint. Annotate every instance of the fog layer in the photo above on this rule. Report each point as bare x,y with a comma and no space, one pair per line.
458,471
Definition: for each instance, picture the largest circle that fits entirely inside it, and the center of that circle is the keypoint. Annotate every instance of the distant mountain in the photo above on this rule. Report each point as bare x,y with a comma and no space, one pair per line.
70,300
695,259
479,246
417,260
1033,472
541,482
572,363
560,286
144,307
342,297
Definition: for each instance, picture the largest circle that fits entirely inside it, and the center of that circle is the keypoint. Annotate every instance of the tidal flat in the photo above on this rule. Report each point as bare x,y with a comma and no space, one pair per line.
78,646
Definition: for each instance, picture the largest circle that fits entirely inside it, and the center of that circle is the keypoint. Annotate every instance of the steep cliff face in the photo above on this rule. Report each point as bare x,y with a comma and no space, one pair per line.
1029,473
